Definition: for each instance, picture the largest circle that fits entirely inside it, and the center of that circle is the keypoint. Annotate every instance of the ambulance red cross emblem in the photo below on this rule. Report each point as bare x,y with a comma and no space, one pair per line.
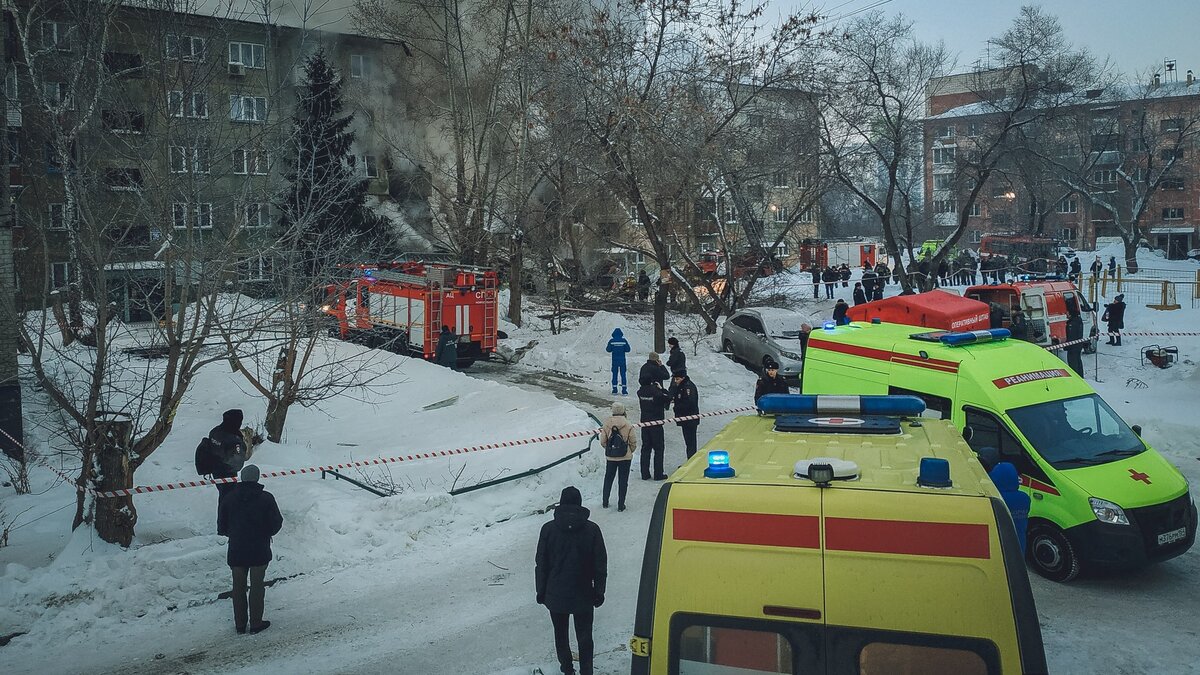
1134,474
837,421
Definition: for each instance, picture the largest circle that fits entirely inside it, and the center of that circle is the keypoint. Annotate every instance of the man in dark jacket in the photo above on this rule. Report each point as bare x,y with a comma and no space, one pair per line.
996,315
653,400
839,312
249,517
860,296
1114,316
676,359
570,572
829,276
1076,268
868,282
653,369
770,382
816,281
643,286
1074,333
618,347
687,402
230,446
447,348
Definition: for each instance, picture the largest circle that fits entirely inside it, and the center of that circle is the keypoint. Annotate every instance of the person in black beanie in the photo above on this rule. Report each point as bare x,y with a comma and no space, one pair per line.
231,448
687,402
570,573
676,359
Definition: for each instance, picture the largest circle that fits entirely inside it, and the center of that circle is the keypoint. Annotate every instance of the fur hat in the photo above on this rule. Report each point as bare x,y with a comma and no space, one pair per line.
618,408
249,474
654,357
570,497
232,419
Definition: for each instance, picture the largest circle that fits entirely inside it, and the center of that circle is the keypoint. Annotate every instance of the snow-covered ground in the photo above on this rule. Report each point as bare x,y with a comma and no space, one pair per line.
428,583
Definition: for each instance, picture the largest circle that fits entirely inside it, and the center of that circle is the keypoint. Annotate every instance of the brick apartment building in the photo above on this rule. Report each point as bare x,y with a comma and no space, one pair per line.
1113,131
183,139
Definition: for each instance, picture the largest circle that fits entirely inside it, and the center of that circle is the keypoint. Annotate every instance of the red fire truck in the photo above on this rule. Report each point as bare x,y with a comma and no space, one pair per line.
1046,303
402,307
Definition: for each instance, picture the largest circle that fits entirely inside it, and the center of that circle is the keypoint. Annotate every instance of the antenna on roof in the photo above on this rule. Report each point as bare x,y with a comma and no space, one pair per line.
1169,68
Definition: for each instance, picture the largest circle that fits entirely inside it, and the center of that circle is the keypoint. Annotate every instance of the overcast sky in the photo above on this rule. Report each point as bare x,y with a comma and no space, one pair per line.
1136,34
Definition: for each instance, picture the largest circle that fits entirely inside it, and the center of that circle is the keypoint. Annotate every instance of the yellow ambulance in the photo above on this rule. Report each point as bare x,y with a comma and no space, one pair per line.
834,534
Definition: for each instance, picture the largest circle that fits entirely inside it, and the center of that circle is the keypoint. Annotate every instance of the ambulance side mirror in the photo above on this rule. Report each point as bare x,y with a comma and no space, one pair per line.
1137,429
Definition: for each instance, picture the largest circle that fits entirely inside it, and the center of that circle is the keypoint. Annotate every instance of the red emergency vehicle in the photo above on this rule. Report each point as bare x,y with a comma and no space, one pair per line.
933,309
1046,303
403,306
1021,251
712,264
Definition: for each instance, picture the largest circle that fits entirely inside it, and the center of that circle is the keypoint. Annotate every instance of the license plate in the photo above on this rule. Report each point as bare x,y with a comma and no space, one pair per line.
1172,536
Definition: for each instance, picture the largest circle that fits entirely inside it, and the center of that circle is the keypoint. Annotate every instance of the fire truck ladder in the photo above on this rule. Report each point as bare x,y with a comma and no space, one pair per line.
433,317
489,312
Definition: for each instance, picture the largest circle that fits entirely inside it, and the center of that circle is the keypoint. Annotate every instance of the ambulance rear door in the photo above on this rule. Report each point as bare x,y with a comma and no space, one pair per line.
1033,301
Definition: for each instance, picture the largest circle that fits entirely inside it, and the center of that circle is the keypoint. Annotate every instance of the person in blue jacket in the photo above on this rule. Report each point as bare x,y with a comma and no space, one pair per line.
618,346
1004,475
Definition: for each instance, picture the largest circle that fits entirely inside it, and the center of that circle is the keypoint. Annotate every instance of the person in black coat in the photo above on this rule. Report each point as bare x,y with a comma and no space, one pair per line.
643,286
1114,316
249,516
687,402
816,281
653,369
676,359
860,296
829,276
839,312
447,348
653,401
1076,268
996,315
231,447
1075,351
844,275
570,573
770,382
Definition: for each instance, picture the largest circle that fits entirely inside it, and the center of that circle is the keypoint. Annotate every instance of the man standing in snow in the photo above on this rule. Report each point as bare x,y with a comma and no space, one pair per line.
230,445
1112,266
687,402
653,369
653,400
1114,316
617,434
1075,333
249,516
643,286
1097,268
676,359
447,348
816,281
770,382
618,347
860,295
570,572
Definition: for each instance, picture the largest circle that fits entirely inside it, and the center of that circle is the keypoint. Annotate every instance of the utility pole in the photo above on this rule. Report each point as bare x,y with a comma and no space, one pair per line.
10,386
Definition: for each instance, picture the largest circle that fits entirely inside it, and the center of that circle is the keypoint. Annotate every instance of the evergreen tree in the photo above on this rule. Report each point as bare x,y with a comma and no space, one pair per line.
323,210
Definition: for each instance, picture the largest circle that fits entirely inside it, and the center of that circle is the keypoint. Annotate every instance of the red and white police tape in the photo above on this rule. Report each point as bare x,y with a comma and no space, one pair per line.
141,489
1063,345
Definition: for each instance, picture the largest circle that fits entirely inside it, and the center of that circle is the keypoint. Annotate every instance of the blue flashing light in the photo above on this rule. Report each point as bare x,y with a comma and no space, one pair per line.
808,404
935,472
829,325
975,336
718,465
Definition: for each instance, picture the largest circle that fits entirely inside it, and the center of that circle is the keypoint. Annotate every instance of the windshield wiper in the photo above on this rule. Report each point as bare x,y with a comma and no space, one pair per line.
1120,453
1082,461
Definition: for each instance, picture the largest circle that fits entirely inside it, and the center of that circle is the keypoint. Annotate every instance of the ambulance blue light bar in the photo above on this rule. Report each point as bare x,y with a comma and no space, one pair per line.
975,337
718,465
808,404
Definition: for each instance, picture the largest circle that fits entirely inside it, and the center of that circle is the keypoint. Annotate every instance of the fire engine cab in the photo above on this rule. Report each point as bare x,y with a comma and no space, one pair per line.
1046,302
402,307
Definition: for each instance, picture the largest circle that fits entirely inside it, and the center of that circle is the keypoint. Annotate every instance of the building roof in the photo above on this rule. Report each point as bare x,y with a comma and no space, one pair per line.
325,15
1111,95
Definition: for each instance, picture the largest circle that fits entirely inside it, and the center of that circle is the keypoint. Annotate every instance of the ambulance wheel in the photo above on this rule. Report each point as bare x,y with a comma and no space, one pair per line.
1051,553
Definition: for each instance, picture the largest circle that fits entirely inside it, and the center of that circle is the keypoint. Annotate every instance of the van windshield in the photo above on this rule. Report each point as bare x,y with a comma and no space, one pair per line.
1076,432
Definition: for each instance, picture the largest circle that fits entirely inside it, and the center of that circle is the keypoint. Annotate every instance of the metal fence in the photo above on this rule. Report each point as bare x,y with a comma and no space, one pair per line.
1160,289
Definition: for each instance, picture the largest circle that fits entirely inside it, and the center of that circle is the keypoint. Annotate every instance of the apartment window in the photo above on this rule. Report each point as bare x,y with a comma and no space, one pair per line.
1138,174
56,216
976,210
1104,142
806,216
254,268
195,158
1137,144
1104,176
371,166
973,129
360,66
944,155
1171,153
730,211
256,215
123,121
123,64
186,47
250,161
57,35
57,95
53,160
192,104
12,146
804,181
123,179
975,236
61,274
1173,213
247,108
943,181
781,214
11,89
1171,184
780,180
1067,234
1068,205
634,218
1172,125
945,206
944,131
198,215
247,54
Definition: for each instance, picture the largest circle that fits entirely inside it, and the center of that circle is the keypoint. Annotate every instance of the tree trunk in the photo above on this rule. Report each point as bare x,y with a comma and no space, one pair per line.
114,516
1131,263
514,284
277,410
660,313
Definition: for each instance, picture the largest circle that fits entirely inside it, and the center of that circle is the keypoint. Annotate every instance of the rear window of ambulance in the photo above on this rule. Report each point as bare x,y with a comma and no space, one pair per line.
883,658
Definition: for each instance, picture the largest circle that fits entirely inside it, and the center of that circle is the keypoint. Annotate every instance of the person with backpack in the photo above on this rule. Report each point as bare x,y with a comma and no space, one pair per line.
570,574
619,441
653,401
618,347
224,451
249,516
686,399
